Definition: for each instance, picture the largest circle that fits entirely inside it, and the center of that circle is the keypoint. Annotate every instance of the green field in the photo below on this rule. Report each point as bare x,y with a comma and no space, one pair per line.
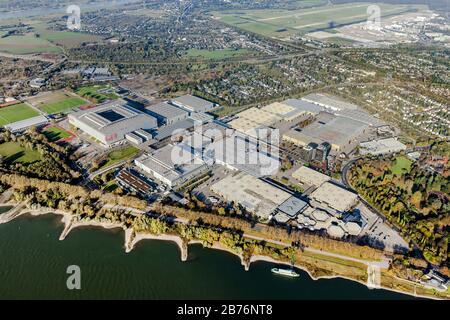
27,44
54,134
15,113
42,39
95,94
284,23
12,152
402,165
119,155
63,105
216,54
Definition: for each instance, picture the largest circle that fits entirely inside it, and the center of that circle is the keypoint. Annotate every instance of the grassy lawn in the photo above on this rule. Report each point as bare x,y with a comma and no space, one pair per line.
402,165
97,94
62,105
54,134
15,113
12,152
216,54
121,154
111,186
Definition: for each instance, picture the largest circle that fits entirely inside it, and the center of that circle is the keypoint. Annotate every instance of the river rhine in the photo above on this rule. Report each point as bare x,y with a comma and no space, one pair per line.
34,263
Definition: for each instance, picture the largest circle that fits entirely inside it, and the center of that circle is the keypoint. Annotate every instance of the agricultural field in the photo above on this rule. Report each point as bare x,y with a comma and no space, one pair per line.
285,23
215,54
54,134
16,113
41,39
27,44
13,152
55,102
97,93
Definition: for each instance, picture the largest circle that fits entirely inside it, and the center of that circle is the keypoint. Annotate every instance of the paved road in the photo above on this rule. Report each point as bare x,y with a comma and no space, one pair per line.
382,264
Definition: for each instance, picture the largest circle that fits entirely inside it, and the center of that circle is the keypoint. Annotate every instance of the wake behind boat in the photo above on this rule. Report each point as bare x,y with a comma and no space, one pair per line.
286,272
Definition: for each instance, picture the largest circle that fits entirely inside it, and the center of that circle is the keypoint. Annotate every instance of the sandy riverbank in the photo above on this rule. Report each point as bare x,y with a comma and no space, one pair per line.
131,239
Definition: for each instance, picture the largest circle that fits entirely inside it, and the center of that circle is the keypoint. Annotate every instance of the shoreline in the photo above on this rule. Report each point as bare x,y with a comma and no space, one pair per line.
132,239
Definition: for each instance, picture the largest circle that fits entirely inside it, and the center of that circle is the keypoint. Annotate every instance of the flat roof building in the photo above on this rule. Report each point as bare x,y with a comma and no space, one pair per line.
341,133
109,123
193,104
23,125
304,106
290,209
384,146
174,129
167,113
132,181
134,138
310,177
171,165
334,197
254,194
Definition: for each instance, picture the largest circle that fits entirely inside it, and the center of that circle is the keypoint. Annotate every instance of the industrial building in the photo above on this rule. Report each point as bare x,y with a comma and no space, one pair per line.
175,129
331,196
384,146
292,109
109,123
343,134
310,177
166,113
193,104
255,195
341,108
252,120
171,165
201,117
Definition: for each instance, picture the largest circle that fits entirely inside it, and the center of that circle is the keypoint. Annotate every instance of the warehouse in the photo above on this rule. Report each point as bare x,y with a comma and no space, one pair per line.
343,134
253,194
310,177
109,123
255,122
193,104
334,197
171,166
286,112
304,106
166,113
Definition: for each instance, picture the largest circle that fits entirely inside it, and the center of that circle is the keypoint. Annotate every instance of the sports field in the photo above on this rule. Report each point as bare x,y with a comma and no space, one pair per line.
15,113
58,101
97,93
55,134
283,23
